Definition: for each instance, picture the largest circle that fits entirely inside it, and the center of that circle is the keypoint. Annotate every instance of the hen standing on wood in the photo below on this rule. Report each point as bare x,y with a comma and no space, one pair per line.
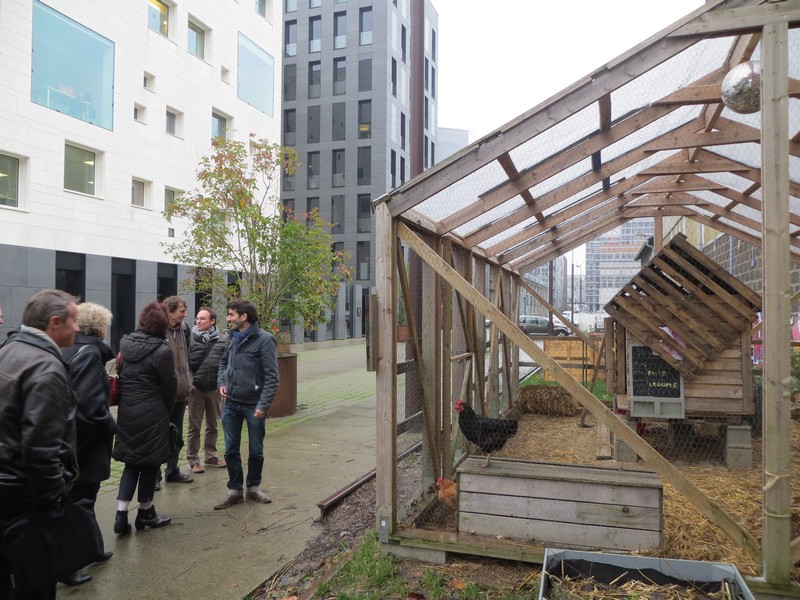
485,432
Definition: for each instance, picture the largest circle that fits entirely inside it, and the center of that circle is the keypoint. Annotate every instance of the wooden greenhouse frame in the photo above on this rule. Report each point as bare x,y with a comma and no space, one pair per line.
654,157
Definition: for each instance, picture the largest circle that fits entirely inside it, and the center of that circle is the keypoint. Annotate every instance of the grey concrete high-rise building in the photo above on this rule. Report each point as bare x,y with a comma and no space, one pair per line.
359,106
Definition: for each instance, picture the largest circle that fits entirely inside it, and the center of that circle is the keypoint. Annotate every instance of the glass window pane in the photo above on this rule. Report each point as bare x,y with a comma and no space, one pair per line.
290,6
314,79
290,82
313,171
364,166
137,193
196,40
365,73
338,116
261,7
172,123
338,168
169,198
337,214
364,119
158,17
362,260
256,70
219,125
340,30
9,180
289,127
365,26
315,34
313,128
72,68
364,213
290,38
339,76
79,167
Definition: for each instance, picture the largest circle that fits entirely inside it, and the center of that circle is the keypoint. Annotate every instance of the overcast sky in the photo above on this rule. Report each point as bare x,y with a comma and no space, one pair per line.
497,60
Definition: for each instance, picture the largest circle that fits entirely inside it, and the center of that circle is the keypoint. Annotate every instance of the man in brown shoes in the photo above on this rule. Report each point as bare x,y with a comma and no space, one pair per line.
248,381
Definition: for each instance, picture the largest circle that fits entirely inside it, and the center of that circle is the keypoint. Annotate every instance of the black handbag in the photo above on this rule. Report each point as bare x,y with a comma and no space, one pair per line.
38,550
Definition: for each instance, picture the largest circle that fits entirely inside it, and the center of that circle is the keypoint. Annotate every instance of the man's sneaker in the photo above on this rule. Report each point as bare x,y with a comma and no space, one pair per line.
258,496
197,468
214,462
229,500
179,478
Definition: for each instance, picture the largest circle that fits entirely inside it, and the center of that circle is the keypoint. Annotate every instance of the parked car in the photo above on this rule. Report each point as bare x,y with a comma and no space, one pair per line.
536,325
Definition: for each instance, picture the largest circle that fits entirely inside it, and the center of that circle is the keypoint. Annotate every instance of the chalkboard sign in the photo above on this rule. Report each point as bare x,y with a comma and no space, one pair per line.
655,388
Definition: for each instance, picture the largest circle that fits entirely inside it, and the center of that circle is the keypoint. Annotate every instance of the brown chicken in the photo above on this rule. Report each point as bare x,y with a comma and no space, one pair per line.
448,492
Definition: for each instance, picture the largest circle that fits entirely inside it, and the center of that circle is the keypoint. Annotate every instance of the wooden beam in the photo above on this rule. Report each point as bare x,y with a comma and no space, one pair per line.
777,290
747,18
688,139
386,382
669,186
704,94
662,466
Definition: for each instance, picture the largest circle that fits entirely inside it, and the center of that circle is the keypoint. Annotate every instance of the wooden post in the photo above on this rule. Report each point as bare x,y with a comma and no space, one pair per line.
386,384
447,364
777,291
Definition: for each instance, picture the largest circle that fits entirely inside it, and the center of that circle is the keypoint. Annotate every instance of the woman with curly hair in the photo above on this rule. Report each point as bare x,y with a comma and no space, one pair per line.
94,424
147,393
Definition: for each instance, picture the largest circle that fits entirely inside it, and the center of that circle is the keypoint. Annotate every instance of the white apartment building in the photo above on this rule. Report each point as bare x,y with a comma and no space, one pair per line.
105,110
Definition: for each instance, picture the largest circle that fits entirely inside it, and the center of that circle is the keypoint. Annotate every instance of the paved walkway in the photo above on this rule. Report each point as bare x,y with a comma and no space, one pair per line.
327,444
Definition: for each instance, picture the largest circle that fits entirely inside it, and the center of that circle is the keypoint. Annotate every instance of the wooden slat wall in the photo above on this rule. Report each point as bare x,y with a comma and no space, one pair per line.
577,357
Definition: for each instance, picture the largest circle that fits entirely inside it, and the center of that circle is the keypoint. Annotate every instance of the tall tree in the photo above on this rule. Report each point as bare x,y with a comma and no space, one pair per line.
235,226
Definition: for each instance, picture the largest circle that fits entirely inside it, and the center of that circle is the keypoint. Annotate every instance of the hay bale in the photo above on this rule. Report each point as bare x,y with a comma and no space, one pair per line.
547,400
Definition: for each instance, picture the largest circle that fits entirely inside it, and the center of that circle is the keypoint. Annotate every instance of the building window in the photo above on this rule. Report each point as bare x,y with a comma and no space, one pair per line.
289,127
425,152
262,7
402,131
393,168
256,70
71,273
72,68
148,81
290,6
433,154
340,30
290,38
219,125
403,36
337,168
139,113
365,26
427,66
290,82
362,261
158,17
288,182
425,115
394,78
312,204
365,73
313,126
315,34
402,170
338,121
9,180
364,168
173,124
169,198
314,79
364,216
313,171
433,82
337,214
314,3
364,119
433,44
339,76
79,170
137,192
197,40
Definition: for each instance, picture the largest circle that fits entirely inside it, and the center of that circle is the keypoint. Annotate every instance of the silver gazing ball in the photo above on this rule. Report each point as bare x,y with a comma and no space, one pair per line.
741,88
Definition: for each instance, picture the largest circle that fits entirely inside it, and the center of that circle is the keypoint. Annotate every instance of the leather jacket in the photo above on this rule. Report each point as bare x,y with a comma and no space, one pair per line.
37,423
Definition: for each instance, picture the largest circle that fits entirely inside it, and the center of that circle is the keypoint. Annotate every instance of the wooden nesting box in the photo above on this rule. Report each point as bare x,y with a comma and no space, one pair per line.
560,504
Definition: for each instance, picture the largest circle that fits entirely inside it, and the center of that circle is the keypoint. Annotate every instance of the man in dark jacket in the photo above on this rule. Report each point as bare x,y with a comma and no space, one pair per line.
248,381
205,351
178,335
37,431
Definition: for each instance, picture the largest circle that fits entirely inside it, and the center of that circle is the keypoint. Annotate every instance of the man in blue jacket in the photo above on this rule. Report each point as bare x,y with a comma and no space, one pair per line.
248,382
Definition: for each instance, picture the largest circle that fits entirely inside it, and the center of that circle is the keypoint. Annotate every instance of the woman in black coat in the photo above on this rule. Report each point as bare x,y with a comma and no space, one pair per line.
147,393
94,424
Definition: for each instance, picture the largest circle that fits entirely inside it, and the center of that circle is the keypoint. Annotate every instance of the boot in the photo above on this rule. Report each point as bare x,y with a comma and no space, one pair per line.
121,525
149,518
75,578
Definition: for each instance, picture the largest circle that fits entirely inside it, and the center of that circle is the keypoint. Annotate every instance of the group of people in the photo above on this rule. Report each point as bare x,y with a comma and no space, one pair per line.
58,434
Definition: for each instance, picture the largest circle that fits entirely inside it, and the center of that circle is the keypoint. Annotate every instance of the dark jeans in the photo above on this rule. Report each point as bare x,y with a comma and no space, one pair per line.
234,414
176,417
145,476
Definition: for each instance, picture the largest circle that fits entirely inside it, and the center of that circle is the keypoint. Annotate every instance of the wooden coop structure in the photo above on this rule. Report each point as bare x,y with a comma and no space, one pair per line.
645,136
